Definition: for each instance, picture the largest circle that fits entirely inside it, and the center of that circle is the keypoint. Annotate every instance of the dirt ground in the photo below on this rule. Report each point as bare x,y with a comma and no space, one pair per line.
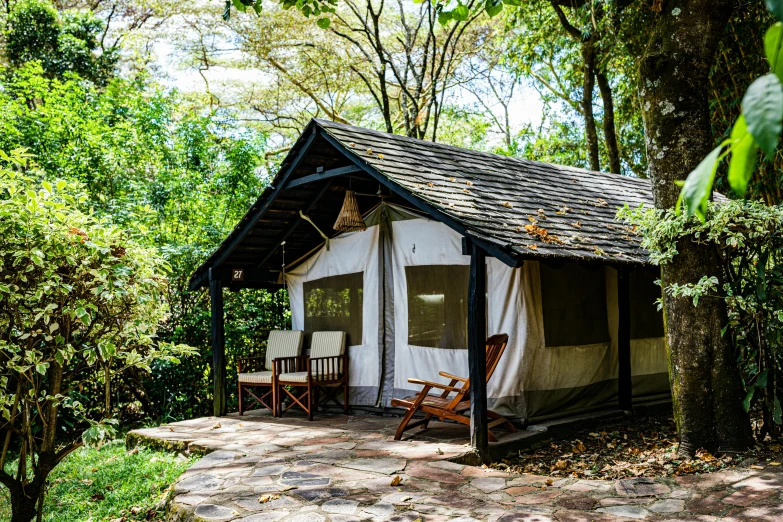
641,448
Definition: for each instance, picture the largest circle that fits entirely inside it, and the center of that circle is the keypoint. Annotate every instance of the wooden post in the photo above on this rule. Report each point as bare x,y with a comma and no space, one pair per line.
477,353
625,392
218,346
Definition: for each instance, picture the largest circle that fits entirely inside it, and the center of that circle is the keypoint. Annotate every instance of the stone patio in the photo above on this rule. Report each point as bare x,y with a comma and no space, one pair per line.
349,469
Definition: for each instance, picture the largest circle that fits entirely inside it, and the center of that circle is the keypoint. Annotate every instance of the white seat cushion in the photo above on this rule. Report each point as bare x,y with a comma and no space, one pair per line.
296,377
283,343
293,377
256,378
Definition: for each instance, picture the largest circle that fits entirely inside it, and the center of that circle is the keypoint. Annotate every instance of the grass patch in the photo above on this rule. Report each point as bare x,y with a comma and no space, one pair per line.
107,483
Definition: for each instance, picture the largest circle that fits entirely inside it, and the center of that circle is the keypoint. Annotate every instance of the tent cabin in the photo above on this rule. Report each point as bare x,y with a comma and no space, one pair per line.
458,245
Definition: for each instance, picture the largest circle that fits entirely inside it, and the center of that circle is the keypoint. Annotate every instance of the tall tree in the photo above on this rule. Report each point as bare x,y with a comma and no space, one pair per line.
674,91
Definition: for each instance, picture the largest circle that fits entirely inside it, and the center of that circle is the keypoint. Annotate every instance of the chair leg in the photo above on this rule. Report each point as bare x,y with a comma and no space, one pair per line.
345,395
272,398
405,420
240,399
309,401
506,423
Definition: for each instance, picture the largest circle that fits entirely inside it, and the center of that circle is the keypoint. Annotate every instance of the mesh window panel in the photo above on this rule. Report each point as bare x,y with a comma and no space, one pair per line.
646,320
334,303
438,306
574,305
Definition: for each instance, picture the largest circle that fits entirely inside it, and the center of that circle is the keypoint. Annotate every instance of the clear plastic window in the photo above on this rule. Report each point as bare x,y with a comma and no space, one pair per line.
438,305
646,320
574,305
335,304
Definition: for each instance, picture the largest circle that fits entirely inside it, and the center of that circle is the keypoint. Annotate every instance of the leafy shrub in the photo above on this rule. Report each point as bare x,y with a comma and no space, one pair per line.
749,238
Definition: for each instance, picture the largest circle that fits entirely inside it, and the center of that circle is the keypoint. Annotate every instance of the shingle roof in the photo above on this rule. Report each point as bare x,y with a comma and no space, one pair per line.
534,209
519,209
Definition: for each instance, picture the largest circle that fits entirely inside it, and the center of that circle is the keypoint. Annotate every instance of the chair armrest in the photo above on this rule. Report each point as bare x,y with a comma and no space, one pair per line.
286,364
449,376
435,385
327,368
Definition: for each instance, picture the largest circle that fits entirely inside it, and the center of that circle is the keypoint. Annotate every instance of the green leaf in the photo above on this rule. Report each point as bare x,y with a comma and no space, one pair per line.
460,13
748,397
239,5
743,157
773,40
444,17
515,3
763,109
697,188
761,379
257,8
776,8
324,23
493,7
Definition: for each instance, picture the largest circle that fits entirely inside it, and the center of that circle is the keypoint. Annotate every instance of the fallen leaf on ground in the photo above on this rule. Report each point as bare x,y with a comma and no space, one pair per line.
263,499
396,480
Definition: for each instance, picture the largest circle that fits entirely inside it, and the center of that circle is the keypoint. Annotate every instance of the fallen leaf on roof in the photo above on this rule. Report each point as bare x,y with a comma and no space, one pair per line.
466,191
430,184
576,224
469,183
601,203
369,151
452,179
352,145
532,247
598,251
380,156
542,234
563,210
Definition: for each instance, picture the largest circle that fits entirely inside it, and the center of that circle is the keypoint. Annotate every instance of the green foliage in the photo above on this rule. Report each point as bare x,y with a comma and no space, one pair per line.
106,484
748,237
179,178
76,292
308,8
758,127
61,43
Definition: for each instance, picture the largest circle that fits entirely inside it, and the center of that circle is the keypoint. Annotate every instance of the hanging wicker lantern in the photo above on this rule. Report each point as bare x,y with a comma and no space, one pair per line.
350,219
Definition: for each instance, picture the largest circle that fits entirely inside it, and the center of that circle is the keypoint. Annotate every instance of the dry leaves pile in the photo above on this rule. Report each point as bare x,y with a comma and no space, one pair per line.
645,448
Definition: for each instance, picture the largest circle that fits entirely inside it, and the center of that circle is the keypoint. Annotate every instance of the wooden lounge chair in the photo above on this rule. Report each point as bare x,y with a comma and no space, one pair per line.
326,367
281,343
454,408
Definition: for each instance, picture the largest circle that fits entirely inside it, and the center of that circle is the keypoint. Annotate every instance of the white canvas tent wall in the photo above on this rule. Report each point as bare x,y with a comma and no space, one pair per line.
532,379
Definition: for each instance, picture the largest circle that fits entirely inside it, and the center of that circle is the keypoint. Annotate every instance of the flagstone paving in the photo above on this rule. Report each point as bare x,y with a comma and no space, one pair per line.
349,469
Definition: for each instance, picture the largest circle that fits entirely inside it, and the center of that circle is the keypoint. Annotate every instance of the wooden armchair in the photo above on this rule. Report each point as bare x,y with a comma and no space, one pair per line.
452,408
326,368
281,343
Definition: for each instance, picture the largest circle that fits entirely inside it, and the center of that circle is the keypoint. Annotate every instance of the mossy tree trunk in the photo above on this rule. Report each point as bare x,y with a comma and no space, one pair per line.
706,386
